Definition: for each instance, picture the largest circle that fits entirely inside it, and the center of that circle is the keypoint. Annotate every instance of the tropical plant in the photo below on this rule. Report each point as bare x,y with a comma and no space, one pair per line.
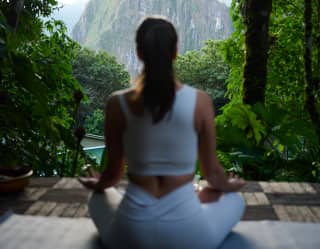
289,134
36,88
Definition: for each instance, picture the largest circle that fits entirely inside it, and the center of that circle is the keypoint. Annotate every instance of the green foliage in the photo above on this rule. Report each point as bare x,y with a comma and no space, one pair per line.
40,68
204,69
286,63
276,140
100,75
240,116
36,88
266,143
285,83
233,51
239,139
94,122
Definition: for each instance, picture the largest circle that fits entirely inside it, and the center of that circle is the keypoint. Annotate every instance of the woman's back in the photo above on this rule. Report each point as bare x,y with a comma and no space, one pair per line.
161,157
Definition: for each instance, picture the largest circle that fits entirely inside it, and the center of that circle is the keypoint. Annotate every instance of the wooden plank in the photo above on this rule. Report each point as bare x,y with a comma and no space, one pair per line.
286,187
261,212
316,212
47,208
68,183
307,214
294,213
70,210
76,184
38,193
61,183
316,186
28,192
266,187
44,182
301,214
297,187
82,211
261,199
281,212
308,188
294,199
58,209
35,208
66,195
72,183
276,187
252,186
250,199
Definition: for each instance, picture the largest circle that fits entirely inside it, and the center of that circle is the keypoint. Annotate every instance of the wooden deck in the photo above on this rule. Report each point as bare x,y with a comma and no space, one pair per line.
65,197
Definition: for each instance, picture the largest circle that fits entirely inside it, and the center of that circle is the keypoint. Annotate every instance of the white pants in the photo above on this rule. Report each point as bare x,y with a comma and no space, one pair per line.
177,220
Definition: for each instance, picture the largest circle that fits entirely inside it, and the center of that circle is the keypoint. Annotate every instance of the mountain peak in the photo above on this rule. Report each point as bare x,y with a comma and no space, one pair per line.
110,25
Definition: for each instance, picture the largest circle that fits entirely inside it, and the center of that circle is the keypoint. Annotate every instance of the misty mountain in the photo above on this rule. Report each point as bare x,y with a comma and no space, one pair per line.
110,25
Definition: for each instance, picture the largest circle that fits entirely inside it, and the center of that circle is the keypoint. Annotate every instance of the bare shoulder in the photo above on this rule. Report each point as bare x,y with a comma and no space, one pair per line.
122,91
204,102
203,98
112,101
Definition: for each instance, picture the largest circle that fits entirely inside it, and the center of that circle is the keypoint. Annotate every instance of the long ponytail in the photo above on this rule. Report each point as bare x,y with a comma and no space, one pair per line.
156,40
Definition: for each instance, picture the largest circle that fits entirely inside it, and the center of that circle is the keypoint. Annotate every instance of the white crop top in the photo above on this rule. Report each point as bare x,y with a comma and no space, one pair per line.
166,148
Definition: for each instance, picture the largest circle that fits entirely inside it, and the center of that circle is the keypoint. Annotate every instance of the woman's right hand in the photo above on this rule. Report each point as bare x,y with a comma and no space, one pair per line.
91,180
90,172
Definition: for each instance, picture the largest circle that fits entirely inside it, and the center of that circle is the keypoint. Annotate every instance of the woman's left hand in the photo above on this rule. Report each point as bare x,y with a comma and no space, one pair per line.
209,194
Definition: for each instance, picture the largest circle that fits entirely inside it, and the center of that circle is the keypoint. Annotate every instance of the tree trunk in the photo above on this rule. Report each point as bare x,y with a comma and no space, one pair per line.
256,15
310,82
317,83
15,9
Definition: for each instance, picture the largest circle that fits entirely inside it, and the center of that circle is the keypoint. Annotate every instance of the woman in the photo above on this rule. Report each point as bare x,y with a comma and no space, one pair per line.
160,126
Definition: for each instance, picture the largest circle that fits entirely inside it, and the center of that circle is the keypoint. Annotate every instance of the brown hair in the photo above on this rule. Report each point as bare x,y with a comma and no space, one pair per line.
156,40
